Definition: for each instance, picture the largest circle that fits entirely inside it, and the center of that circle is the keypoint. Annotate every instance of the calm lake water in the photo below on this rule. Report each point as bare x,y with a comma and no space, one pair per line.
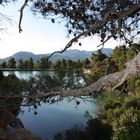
49,119
22,74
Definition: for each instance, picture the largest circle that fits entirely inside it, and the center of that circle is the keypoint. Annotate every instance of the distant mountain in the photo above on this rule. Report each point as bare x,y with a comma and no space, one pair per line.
107,51
68,55
23,55
71,55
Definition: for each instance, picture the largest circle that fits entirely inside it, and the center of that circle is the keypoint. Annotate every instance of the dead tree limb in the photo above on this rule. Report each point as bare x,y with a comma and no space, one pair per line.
21,15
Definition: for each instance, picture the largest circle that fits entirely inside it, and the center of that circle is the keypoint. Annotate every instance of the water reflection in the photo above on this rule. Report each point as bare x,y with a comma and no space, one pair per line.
54,117
22,74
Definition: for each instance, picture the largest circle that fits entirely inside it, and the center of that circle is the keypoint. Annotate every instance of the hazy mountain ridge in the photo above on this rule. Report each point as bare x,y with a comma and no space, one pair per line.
68,55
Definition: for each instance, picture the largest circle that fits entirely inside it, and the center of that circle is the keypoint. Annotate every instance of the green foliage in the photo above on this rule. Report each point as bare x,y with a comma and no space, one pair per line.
20,64
50,81
10,85
102,68
11,63
30,64
98,70
25,64
3,64
119,56
99,56
1,75
95,129
86,63
123,114
122,54
86,16
57,79
43,63
133,50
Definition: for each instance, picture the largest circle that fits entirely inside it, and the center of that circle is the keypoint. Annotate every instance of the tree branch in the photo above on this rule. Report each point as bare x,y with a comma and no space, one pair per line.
122,15
115,79
102,44
21,15
93,29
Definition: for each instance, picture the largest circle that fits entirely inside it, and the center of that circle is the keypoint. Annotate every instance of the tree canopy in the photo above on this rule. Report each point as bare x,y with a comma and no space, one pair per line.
106,18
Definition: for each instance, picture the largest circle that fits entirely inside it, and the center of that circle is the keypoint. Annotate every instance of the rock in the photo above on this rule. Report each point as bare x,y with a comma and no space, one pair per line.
19,134
16,123
23,134
3,135
11,128
5,118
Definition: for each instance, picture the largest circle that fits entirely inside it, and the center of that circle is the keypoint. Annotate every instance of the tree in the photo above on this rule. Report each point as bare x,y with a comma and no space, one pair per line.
86,63
3,64
133,50
31,64
25,64
63,63
90,132
107,18
120,56
44,63
1,75
98,57
11,63
70,64
78,64
57,64
20,63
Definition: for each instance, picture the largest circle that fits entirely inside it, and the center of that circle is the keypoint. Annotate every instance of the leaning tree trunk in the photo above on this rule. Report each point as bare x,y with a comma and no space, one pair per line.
112,80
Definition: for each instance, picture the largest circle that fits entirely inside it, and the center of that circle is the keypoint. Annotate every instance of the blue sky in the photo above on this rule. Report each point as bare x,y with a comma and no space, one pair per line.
39,36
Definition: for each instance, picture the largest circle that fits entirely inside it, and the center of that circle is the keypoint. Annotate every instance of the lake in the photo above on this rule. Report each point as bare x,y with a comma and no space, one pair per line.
48,119
22,74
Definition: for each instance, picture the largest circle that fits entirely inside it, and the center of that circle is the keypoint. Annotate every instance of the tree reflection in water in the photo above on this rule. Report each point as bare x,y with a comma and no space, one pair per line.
95,129
56,80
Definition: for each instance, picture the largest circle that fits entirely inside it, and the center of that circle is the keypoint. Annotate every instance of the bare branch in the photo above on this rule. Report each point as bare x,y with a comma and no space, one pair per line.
102,44
93,29
21,15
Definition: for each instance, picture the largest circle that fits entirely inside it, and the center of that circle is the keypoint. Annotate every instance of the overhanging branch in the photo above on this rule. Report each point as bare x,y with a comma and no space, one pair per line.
93,29
108,81
21,15
99,24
